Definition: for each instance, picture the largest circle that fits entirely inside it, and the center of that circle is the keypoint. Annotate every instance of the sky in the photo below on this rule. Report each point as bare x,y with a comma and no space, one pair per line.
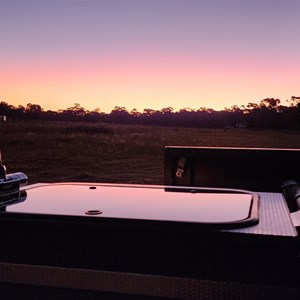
148,54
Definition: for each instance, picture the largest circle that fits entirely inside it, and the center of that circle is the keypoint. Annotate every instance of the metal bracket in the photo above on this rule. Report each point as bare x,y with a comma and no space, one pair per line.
180,167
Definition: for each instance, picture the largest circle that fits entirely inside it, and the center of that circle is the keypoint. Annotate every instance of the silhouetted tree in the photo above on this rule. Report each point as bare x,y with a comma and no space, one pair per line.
4,108
267,113
33,108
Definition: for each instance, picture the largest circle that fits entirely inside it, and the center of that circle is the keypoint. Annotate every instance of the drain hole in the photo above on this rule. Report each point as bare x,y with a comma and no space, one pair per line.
93,212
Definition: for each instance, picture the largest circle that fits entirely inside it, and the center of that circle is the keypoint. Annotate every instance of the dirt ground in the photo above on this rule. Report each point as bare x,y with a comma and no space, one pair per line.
94,152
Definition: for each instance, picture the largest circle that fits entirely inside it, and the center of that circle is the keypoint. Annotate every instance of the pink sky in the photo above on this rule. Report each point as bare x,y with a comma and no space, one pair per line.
148,54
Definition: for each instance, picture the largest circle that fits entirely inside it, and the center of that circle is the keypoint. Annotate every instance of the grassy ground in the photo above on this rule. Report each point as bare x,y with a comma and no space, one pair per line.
60,151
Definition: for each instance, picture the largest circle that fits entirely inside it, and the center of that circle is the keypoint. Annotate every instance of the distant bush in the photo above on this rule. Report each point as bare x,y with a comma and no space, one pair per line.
266,114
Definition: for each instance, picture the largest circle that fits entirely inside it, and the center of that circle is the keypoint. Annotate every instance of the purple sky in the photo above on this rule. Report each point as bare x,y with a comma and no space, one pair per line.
148,53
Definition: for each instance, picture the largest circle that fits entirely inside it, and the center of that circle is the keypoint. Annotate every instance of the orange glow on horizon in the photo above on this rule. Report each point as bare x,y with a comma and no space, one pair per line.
147,81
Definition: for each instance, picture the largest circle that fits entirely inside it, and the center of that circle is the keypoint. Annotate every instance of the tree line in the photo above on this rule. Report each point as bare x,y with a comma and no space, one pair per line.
267,113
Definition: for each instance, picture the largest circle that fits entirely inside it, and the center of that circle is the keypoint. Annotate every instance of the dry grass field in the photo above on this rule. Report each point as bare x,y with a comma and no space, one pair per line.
94,152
